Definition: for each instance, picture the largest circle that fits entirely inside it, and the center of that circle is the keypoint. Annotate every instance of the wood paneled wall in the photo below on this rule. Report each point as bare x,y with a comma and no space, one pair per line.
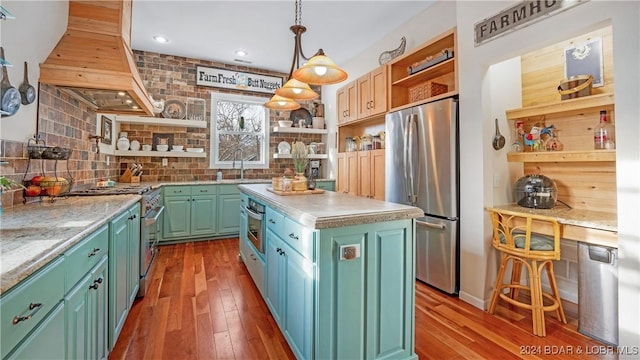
582,185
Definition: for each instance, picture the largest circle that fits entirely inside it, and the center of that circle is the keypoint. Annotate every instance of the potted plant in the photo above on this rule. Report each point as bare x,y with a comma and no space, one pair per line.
299,154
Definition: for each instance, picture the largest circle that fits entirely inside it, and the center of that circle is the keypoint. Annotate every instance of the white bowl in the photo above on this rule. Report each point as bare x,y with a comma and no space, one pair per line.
162,147
177,147
146,147
285,123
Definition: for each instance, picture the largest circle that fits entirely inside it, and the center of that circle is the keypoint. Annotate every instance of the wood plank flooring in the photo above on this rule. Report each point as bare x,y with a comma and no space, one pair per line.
202,304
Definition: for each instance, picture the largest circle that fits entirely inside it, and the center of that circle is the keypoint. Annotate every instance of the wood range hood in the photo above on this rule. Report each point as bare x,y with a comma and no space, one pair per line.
94,62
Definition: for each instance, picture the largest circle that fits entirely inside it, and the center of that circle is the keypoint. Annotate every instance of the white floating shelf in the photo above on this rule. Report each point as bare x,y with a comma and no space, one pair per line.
182,154
288,156
300,130
161,121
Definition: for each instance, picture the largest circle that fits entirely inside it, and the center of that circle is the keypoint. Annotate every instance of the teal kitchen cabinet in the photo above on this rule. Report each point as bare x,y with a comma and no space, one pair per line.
87,297
190,211
124,268
328,185
46,341
86,319
290,285
228,199
364,306
32,314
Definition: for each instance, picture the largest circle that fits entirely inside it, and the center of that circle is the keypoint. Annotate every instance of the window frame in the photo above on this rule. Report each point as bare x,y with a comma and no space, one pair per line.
214,151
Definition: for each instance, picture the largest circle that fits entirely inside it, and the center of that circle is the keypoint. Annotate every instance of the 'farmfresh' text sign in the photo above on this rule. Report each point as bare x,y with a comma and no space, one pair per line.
221,78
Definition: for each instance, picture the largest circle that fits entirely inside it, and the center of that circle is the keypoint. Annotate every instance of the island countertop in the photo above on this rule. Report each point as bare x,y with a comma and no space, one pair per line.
331,209
33,235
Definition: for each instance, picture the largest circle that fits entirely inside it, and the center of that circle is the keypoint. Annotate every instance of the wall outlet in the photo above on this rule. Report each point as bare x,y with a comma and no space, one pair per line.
108,160
349,252
165,161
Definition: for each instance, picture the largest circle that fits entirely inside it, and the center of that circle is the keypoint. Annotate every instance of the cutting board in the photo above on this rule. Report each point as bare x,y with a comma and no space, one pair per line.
302,192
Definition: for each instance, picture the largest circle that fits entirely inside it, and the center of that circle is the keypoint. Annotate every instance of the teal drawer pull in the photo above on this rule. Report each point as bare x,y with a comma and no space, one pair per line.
94,252
293,236
35,307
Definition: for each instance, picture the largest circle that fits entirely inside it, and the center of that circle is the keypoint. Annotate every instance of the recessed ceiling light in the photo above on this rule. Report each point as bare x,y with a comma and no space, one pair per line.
241,53
160,39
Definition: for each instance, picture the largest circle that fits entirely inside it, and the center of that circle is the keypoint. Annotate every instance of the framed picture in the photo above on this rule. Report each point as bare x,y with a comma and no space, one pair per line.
161,139
107,125
585,59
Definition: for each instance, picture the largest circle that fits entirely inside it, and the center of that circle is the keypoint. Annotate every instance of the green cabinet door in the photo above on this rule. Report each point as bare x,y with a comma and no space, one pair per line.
203,215
77,318
118,275
134,253
326,185
298,303
276,271
177,217
98,301
228,219
46,341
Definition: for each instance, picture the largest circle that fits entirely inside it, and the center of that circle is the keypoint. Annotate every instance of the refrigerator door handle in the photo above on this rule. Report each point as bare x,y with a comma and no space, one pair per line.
413,121
405,155
431,225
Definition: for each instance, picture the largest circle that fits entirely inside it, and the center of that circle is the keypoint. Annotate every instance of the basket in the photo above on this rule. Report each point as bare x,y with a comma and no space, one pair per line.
426,90
48,152
51,186
575,87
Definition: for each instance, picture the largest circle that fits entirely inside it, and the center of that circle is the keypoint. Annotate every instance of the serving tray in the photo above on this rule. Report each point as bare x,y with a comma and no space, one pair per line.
301,192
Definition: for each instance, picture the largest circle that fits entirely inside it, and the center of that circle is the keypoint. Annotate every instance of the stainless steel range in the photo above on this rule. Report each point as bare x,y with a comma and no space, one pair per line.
151,210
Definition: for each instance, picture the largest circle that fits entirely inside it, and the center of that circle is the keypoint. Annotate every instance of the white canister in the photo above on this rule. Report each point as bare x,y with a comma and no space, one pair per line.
318,122
135,145
123,142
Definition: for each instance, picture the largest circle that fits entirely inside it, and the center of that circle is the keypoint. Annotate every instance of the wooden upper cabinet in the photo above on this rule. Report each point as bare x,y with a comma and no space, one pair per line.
347,103
372,93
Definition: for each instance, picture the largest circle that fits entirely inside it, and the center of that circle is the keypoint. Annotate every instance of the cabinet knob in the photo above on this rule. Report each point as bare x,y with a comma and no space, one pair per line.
293,236
93,252
272,221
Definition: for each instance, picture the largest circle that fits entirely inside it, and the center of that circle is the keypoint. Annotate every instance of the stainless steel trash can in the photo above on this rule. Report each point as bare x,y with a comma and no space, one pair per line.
598,292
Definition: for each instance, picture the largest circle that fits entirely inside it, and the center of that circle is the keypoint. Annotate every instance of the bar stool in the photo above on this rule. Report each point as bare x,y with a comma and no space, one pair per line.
513,237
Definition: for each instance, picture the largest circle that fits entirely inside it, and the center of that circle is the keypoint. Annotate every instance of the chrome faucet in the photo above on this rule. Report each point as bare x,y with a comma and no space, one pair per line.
235,156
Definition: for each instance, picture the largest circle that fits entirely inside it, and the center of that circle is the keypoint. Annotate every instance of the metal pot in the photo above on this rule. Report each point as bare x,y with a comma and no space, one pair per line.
27,92
535,191
9,96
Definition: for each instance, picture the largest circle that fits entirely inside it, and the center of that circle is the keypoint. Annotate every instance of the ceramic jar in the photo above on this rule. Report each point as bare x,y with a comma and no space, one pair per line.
135,145
123,141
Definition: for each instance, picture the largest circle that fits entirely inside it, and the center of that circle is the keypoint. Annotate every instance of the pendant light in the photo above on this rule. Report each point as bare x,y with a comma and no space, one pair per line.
323,71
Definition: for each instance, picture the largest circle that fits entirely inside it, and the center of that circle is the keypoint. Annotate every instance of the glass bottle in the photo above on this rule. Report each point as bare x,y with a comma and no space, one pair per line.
603,133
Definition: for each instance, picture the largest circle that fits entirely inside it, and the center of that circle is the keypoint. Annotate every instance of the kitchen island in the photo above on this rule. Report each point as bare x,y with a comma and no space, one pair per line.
336,271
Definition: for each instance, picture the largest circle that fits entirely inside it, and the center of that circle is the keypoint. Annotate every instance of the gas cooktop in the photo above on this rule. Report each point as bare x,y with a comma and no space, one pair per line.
115,190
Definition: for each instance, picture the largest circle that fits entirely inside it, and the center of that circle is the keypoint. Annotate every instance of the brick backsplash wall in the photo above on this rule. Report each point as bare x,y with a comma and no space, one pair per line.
64,122
173,77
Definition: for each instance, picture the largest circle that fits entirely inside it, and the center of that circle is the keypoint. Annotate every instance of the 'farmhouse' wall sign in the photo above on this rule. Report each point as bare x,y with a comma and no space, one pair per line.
220,78
517,16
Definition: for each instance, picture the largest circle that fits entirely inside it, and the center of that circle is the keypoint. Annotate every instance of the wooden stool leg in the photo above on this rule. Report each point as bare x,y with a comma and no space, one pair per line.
498,287
516,273
537,312
556,293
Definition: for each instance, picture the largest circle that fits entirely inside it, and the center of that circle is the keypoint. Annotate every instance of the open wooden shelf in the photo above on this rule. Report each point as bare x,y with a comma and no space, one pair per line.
443,68
563,156
182,154
568,107
300,130
161,121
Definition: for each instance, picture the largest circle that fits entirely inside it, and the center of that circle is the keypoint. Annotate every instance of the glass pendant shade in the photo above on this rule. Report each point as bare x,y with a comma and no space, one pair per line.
320,70
278,102
297,90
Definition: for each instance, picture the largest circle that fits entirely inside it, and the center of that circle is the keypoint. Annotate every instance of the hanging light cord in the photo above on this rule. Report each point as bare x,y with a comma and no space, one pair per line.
298,29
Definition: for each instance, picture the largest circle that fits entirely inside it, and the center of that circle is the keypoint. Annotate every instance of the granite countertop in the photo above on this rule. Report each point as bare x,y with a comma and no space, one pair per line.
598,220
32,235
331,209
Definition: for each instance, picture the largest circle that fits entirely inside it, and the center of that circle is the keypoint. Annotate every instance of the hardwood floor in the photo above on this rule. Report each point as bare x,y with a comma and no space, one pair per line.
202,304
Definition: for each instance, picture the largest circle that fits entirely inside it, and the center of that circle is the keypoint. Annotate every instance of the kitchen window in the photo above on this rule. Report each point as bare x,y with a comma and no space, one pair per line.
239,129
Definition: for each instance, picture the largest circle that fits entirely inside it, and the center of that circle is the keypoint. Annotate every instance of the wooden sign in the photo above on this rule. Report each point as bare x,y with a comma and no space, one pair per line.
236,80
519,15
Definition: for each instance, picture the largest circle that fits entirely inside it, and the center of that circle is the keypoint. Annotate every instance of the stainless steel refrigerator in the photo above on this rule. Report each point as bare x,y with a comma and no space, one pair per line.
422,170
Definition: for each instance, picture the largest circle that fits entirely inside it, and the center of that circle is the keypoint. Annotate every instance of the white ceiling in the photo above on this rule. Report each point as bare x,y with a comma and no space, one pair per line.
214,30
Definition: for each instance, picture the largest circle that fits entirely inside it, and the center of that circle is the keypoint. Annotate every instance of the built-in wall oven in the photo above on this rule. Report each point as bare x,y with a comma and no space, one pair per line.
255,228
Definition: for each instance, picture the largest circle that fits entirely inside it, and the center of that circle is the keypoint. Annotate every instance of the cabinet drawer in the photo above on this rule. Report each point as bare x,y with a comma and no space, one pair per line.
85,255
176,190
204,190
299,237
274,220
228,189
29,302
